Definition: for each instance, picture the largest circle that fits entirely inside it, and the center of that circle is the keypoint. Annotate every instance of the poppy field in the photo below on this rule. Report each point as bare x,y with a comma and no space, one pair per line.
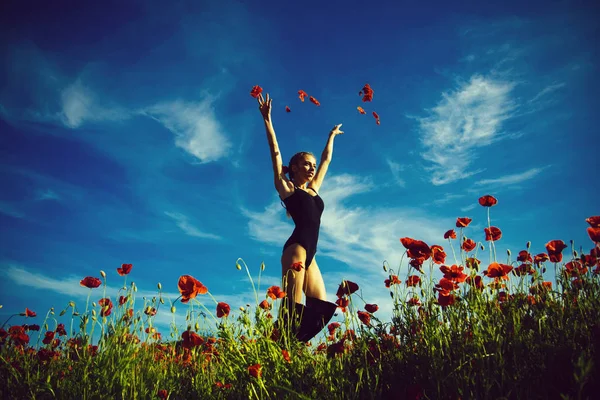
521,325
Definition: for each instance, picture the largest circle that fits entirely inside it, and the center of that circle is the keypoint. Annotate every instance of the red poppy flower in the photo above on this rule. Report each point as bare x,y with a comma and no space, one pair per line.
454,273
256,90
122,300
336,348
367,93
488,201
265,305
297,266
555,248
540,258
413,280
28,313
446,299
275,292
223,309
445,285
463,222
416,248
60,329
364,317
332,327
49,336
450,234
124,269
524,269
342,303
190,287
346,288
594,221
302,94
255,370
472,263
414,301
191,339
468,245
393,280
371,308
286,355
594,234
438,254
524,256
288,109
106,305
90,282
475,282
492,233
162,394
150,311
376,118
416,263
497,270
314,101
361,110
575,268
378,122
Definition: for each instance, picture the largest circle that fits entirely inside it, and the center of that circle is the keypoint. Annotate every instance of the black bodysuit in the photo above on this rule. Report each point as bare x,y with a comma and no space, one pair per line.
306,212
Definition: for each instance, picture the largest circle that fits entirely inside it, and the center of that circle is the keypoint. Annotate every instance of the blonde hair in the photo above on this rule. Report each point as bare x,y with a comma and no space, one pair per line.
293,161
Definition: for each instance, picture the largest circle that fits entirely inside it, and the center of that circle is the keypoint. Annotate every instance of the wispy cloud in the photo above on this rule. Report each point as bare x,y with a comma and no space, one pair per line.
447,198
512,178
184,224
10,210
396,169
548,89
195,126
47,195
79,104
465,119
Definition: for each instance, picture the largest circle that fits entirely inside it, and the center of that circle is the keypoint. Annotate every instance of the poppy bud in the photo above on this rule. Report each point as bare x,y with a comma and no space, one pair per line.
76,314
161,301
481,247
238,266
575,253
63,312
46,327
93,313
93,304
94,319
159,286
262,266
197,326
384,268
72,304
134,288
242,309
173,309
392,295
103,274
187,317
528,244
508,252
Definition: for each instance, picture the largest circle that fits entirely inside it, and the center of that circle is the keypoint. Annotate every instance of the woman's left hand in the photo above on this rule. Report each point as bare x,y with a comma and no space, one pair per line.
336,130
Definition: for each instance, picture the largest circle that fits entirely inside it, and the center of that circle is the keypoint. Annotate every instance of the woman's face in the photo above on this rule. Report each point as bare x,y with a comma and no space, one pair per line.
306,168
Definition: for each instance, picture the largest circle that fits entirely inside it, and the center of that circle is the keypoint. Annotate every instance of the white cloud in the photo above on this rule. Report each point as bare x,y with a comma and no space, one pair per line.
47,195
464,120
10,210
396,168
512,178
188,228
548,89
447,198
195,126
79,105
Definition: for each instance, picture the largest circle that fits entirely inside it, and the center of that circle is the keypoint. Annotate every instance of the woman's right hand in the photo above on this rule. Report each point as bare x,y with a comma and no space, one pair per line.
264,105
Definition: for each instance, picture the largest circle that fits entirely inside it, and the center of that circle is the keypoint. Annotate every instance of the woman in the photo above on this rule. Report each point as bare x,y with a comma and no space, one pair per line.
300,195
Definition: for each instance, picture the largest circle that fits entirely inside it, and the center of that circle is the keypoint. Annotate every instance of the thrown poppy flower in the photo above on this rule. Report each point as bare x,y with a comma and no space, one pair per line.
413,280
256,90
287,109
594,234
376,116
450,234
463,222
367,93
255,370
223,309
364,317
438,255
314,101
302,94
297,266
555,248
190,287
468,245
488,201
492,233
346,288
90,282
378,122
106,307
124,269
594,221
371,308
361,110
275,293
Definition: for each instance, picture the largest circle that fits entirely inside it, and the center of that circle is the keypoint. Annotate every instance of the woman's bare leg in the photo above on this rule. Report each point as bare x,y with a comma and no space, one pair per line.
313,282
293,281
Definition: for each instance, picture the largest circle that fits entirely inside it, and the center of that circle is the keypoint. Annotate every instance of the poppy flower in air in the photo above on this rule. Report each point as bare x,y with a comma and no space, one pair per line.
366,93
364,317
468,245
376,116
450,234
190,287
90,282
416,248
287,109
255,370
594,221
223,310
555,248
371,308
275,293
463,222
594,234
346,288
124,269
488,201
302,94
256,90
492,233
361,110
314,101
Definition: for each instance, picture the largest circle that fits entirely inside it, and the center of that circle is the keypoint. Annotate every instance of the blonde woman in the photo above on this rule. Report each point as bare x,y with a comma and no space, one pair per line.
300,195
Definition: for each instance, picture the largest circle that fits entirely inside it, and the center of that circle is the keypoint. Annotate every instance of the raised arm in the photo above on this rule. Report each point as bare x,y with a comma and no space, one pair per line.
264,106
325,159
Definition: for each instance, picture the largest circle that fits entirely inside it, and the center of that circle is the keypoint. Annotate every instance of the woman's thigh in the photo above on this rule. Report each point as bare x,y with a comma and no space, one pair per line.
313,282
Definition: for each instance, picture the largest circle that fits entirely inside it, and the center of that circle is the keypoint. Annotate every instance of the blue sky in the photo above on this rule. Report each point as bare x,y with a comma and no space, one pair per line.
128,135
